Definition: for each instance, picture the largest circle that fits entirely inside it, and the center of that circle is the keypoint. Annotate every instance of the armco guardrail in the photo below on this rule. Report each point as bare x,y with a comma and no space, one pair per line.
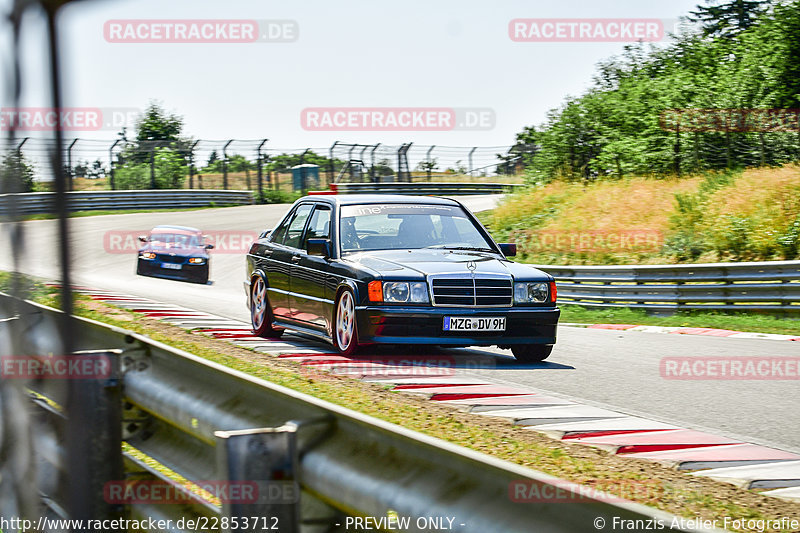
44,202
208,422
424,188
772,286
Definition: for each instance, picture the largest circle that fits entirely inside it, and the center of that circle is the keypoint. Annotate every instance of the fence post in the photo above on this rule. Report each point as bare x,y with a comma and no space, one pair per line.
153,167
260,172
331,168
225,165
12,188
265,460
70,174
191,164
470,159
372,176
303,185
111,163
428,159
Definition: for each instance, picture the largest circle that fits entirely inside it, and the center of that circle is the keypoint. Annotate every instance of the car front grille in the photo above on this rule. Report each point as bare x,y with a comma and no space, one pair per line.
472,292
166,258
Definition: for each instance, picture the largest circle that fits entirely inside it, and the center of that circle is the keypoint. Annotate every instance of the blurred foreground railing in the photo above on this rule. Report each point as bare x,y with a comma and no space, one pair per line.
44,202
313,463
772,286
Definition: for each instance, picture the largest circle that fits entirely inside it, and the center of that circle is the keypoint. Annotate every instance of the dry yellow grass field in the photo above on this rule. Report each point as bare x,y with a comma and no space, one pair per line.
749,215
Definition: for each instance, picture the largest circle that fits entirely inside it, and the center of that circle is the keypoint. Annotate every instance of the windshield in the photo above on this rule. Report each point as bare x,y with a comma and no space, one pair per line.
408,226
176,240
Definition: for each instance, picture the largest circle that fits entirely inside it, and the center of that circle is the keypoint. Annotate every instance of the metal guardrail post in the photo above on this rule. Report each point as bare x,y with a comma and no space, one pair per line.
94,435
269,458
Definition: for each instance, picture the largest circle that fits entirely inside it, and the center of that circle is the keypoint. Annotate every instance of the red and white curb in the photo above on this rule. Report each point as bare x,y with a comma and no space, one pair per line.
676,330
713,456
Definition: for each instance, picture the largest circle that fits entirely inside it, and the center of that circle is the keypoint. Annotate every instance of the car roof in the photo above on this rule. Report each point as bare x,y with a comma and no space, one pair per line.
186,229
355,199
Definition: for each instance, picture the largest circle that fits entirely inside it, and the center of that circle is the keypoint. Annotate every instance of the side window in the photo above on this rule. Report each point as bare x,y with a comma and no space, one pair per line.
320,225
295,229
280,232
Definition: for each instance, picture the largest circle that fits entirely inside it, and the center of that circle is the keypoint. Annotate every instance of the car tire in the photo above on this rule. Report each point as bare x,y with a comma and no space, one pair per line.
531,353
260,310
345,325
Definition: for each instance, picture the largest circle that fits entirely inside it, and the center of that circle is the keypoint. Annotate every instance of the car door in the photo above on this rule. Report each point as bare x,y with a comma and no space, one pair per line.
279,263
308,299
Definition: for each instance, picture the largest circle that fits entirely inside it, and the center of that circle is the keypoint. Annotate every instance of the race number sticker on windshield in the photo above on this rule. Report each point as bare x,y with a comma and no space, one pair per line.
485,323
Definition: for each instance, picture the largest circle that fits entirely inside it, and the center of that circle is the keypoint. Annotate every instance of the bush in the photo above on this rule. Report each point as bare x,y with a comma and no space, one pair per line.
278,197
170,171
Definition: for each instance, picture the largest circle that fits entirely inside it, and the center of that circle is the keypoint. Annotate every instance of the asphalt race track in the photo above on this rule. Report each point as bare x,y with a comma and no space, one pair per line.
611,369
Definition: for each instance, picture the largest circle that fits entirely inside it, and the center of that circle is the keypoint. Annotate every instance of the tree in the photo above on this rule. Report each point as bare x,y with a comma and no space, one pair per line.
157,131
239,163
428,166
16,173
728,18
617,127
81,170
97,170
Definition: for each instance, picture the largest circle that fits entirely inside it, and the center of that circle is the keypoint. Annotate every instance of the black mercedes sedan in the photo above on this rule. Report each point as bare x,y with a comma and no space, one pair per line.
378,269
175,252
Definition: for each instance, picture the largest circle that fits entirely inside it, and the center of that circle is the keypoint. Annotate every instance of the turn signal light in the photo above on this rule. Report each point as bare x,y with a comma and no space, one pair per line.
553,291
375,291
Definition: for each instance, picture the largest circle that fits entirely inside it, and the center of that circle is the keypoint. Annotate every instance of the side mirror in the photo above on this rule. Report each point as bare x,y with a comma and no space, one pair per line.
265,234
209,246
509,249
320,247
142,238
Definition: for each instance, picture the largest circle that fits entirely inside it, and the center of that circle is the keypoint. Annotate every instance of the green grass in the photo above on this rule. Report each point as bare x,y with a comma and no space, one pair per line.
695,319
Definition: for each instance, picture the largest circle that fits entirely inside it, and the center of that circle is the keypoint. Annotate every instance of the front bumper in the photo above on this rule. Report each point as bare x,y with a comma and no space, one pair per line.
187,272
424,325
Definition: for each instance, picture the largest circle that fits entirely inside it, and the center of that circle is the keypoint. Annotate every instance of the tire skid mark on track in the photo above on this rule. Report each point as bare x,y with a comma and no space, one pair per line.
740,463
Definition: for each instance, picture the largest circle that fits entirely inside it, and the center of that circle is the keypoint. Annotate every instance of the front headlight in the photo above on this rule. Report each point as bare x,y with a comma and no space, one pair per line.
531,292
197,260
403,291
147,255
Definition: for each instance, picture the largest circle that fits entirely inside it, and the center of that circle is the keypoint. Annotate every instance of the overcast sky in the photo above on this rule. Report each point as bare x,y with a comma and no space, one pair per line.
412,54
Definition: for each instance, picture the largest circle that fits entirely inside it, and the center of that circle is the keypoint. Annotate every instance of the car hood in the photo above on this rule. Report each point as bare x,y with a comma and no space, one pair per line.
415,264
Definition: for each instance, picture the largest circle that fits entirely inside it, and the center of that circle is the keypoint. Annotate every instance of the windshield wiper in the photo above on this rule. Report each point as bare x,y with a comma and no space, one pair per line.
468,248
